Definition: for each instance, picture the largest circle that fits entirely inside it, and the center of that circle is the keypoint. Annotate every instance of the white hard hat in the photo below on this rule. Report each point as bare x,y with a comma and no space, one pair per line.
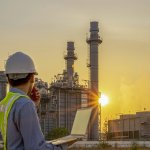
19,63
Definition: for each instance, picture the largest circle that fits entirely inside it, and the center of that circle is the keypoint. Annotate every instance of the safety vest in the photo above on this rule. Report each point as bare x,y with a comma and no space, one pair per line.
5,107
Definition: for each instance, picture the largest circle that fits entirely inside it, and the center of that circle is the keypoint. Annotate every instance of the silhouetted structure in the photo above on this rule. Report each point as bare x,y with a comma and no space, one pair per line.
94,41
62,98
3,85
130,126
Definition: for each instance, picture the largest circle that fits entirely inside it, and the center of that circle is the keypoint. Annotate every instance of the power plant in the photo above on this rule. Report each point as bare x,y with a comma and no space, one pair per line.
61,98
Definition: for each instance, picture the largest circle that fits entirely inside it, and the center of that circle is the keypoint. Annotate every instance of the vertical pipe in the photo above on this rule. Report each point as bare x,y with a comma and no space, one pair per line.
3,85
59,109
70,58
93,42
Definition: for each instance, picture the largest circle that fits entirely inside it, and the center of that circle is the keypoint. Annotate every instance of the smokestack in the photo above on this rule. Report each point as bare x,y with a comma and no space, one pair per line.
3,85
70,58
94,42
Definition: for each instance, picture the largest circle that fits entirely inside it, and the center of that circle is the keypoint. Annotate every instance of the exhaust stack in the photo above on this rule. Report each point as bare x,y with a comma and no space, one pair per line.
94,41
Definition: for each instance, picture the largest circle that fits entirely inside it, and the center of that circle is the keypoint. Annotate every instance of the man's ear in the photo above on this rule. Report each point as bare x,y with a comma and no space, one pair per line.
32,78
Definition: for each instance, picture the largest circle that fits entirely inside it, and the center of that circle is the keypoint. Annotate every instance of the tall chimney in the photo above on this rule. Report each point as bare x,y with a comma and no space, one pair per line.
70,58
94,41
3,85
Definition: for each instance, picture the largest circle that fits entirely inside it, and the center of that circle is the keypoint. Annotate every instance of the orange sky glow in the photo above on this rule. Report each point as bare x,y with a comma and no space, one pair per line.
42,29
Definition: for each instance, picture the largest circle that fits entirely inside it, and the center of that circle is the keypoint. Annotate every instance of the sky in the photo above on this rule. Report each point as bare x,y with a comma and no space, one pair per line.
41,28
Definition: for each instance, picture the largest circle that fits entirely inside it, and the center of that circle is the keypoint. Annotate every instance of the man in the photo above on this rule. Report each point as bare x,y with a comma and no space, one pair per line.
19,122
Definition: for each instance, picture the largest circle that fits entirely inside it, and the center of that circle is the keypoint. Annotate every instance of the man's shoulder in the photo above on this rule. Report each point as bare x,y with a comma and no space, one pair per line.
22,100
22,104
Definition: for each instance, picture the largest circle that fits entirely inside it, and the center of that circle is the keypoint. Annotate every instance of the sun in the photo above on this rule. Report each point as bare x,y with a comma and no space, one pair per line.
103,100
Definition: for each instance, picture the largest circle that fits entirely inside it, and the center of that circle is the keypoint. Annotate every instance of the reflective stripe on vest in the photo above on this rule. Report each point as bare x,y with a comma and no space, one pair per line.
5,106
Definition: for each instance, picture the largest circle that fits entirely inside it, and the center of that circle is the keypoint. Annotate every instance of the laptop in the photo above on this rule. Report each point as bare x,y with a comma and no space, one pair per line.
79,127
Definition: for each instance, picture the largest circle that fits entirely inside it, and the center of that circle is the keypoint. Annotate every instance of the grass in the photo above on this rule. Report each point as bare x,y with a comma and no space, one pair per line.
105,146
97,148
109,148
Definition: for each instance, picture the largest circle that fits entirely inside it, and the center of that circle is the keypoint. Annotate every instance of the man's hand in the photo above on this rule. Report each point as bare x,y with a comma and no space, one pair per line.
35,95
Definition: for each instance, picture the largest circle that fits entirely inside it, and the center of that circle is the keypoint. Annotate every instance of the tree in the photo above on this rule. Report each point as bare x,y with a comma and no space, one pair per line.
105,129
57,133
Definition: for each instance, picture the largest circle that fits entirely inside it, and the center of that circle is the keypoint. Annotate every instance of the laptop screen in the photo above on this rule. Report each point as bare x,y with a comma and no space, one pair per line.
81,121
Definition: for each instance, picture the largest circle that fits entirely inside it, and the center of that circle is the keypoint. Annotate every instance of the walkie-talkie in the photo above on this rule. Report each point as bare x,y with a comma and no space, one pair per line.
33,95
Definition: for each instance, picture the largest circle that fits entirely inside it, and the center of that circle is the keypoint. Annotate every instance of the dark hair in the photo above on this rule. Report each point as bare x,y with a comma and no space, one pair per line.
19,81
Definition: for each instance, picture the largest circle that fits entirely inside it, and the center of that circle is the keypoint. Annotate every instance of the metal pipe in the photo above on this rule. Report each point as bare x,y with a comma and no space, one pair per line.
3,85
70,58
94,42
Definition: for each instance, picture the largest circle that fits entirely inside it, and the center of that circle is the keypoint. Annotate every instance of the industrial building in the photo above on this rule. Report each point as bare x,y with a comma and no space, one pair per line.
3,85
64,95
3,88
59,105
130,126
